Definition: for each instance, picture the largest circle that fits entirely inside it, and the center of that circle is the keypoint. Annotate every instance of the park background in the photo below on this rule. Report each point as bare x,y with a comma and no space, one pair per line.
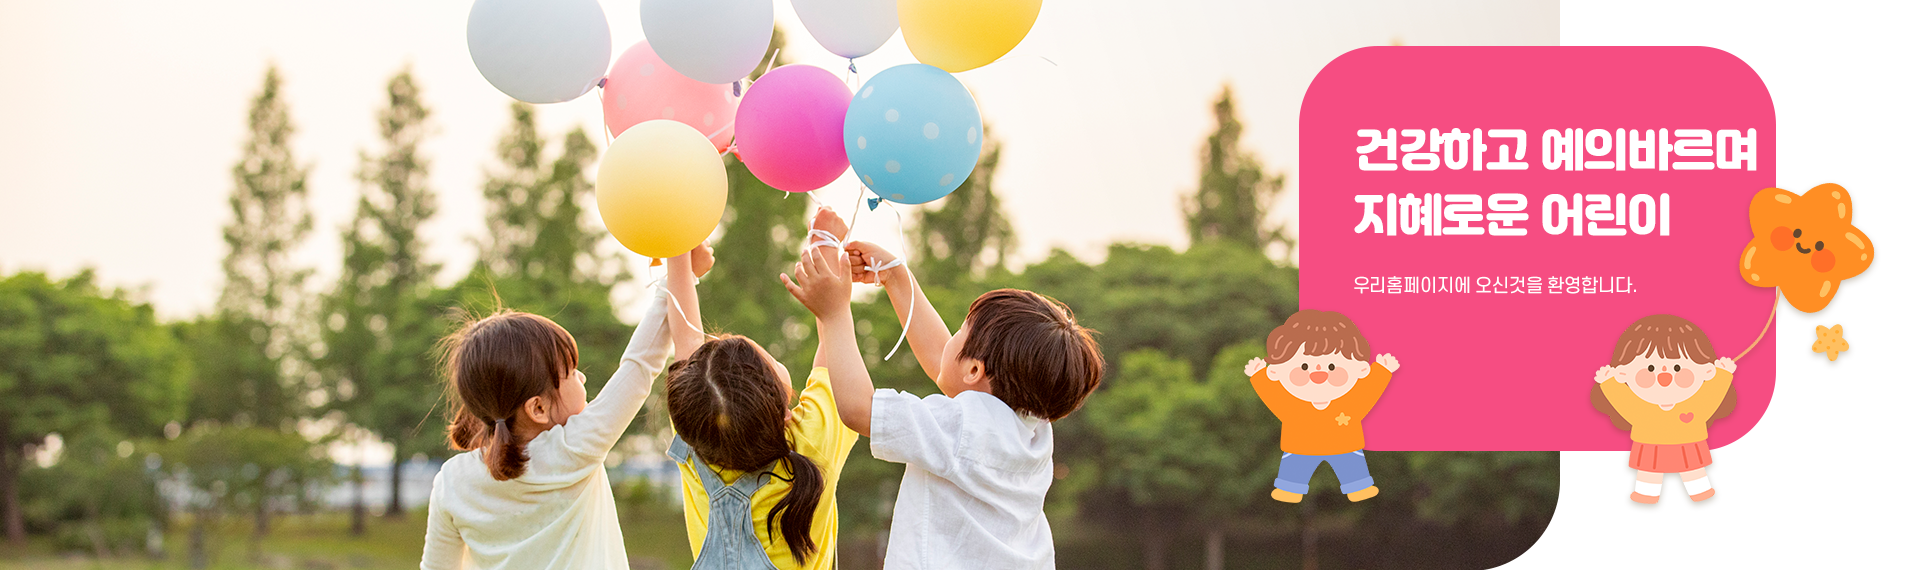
232,231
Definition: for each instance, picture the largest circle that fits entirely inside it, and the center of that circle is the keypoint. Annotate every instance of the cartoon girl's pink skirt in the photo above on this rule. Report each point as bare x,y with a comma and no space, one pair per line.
1659,458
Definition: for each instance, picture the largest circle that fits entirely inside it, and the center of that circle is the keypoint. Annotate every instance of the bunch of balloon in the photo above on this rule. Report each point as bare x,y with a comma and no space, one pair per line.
675,103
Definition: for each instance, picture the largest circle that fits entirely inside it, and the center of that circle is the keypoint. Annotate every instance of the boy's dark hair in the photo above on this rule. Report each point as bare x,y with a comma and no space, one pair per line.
1322,333
1665,335
1041,362
493,366
725,400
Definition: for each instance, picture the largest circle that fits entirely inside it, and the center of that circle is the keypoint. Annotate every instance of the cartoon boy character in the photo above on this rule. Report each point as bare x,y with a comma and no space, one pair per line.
1320,379
1667,386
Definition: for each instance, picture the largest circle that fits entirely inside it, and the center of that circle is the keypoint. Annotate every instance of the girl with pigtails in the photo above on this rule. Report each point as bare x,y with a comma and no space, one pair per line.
531,490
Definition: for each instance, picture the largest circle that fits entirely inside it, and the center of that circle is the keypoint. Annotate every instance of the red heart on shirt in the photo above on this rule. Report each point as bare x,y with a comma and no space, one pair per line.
1686,418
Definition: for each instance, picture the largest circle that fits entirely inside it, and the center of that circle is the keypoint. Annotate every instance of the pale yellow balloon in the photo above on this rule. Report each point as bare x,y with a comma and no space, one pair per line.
662,188
958,35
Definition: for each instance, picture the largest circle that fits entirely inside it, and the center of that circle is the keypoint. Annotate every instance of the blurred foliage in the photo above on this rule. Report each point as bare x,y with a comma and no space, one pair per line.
378,326
79,361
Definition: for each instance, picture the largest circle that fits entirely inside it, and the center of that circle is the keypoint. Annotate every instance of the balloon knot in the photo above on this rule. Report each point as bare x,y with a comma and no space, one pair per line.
603,83
850,67
736,88
873,204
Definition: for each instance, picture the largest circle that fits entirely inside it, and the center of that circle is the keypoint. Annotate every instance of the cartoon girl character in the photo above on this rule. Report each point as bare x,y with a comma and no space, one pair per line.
1667,386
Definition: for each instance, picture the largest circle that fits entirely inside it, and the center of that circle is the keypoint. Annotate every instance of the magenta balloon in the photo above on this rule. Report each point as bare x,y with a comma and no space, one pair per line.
642,88
790,127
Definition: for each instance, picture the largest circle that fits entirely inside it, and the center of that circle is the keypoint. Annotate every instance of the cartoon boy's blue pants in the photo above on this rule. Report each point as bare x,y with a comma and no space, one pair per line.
1297,469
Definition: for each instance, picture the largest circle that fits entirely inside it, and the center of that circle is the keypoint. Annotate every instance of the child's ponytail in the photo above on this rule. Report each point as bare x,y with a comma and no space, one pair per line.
493,366
506,457
795,510
728,403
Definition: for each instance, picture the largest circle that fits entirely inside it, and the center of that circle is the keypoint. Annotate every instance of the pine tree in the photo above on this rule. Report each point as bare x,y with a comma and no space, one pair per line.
252,360
264,295
1235,194
545,252
378,325
969,231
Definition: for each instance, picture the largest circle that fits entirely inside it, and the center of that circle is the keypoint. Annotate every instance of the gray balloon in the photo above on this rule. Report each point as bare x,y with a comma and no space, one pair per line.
540,51
713,41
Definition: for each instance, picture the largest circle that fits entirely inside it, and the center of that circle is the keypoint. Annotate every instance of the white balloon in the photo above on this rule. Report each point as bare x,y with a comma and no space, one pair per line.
713,41
540,51
849,28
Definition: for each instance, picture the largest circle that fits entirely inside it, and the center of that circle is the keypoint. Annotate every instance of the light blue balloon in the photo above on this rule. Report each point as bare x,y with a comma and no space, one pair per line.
913,134
540,51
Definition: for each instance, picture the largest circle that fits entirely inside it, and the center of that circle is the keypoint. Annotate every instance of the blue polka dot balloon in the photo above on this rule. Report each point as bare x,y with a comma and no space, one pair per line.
913,134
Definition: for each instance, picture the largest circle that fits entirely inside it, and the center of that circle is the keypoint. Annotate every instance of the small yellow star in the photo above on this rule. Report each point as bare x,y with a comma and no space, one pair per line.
1829,341
1341,419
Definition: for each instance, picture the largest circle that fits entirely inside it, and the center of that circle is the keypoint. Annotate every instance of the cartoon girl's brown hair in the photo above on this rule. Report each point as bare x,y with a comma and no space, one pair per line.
1666,336
493,366
726,402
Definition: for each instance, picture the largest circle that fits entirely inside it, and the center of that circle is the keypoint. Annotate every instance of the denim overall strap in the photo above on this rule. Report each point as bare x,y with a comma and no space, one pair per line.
730,543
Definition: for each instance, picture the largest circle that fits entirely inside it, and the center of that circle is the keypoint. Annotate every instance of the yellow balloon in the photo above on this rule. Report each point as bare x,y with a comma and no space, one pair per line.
661,188
958,35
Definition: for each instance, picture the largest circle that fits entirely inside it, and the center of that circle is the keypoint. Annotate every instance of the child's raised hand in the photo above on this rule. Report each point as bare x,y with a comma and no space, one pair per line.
825,219
1387,360
1725,363
862,255
702,259
1254,366
822,281
1605,374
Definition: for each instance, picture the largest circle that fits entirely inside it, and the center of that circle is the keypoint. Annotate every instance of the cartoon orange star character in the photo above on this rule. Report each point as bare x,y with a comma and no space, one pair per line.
1805,244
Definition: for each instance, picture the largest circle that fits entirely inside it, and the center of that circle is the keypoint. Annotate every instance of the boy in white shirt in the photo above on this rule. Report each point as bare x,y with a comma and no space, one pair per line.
979,455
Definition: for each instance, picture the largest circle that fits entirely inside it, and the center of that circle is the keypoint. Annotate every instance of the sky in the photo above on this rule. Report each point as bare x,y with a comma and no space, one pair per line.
120,121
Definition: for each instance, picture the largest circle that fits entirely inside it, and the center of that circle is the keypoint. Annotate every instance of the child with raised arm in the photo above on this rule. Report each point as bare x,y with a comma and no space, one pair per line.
1321,379
758,466
979,455
531,490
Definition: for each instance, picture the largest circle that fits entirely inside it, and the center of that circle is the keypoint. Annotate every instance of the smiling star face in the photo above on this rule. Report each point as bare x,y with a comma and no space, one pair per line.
1805,244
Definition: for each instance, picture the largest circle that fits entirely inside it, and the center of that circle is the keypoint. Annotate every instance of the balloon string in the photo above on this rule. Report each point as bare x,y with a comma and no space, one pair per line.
913,288
1763,328
606,133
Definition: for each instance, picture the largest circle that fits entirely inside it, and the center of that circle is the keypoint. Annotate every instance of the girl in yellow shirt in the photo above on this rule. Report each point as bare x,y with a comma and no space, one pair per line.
1666,385
758,472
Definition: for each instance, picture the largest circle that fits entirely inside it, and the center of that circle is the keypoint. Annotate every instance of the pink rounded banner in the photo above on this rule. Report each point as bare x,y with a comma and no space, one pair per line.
1495,217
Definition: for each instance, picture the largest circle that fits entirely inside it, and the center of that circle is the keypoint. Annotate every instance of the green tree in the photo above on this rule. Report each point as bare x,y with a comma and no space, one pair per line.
379,327
78,360
1492,490
233,467
969,231
1169,453
1235,195
263,295
252,361
546,253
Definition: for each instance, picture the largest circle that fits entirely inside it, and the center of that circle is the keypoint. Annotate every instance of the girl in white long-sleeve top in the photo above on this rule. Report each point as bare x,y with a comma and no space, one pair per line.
531,490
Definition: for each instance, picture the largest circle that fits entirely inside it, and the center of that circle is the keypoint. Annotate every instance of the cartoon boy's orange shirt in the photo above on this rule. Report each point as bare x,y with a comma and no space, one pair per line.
1331,431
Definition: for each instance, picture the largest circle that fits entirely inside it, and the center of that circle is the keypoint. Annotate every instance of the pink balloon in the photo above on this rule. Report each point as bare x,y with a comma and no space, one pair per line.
791,125
642,88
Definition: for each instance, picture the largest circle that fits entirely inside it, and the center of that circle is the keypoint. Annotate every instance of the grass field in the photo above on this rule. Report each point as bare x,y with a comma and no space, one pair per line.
656,540
322,542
